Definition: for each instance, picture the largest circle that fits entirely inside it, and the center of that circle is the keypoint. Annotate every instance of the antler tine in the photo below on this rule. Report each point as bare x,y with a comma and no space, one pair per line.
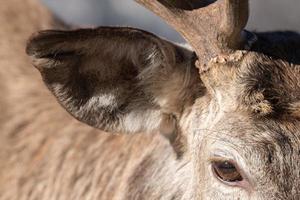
211,28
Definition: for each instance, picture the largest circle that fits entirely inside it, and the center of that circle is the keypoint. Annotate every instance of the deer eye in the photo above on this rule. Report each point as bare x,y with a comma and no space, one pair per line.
226,171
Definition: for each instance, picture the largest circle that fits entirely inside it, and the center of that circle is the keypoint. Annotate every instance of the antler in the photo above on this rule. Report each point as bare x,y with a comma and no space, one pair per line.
211,28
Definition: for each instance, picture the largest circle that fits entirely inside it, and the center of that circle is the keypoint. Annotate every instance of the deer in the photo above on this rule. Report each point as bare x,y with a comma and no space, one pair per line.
134,116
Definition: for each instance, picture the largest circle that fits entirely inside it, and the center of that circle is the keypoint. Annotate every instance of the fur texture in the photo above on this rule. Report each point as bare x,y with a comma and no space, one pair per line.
244,107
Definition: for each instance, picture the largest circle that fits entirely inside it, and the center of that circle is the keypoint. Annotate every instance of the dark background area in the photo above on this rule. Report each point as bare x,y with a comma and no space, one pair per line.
265,15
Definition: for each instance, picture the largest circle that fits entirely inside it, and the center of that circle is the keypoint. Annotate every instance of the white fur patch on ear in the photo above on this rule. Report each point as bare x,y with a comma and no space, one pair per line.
142,120
104,100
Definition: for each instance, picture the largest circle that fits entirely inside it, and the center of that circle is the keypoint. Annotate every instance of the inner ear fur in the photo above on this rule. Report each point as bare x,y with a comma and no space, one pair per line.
117,79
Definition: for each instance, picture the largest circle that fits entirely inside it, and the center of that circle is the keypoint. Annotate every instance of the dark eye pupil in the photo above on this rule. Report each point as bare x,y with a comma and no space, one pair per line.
227,171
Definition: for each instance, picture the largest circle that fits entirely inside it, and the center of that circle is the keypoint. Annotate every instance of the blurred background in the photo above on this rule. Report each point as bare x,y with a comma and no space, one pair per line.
266,15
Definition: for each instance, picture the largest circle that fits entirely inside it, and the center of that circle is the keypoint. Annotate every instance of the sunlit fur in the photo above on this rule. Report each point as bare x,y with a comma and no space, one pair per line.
243,107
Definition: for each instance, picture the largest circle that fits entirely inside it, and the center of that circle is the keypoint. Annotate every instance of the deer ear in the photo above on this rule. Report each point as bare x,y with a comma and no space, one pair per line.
116,79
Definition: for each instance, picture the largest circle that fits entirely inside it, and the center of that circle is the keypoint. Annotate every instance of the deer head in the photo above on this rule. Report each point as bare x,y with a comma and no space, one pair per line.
231,109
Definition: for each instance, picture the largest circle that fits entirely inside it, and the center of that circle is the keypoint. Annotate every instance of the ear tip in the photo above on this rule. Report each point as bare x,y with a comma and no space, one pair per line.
37,42
34,44
31,47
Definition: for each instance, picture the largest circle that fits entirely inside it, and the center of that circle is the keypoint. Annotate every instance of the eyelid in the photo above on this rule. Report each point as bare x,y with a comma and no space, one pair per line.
222,154
219,158
225,155
222,159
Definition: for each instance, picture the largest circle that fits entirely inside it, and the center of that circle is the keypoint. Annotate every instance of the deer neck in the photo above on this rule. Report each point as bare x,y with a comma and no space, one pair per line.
18,21
20,83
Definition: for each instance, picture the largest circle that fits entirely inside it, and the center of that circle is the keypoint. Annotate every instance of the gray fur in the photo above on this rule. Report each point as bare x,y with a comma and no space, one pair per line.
242,107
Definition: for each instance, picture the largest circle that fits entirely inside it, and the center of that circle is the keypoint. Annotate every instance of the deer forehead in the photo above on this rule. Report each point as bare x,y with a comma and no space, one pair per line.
255,83
263,148
255,104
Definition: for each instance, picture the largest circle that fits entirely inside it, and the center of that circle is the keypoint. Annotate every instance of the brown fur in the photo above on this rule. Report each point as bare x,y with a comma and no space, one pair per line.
84,163
244,107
